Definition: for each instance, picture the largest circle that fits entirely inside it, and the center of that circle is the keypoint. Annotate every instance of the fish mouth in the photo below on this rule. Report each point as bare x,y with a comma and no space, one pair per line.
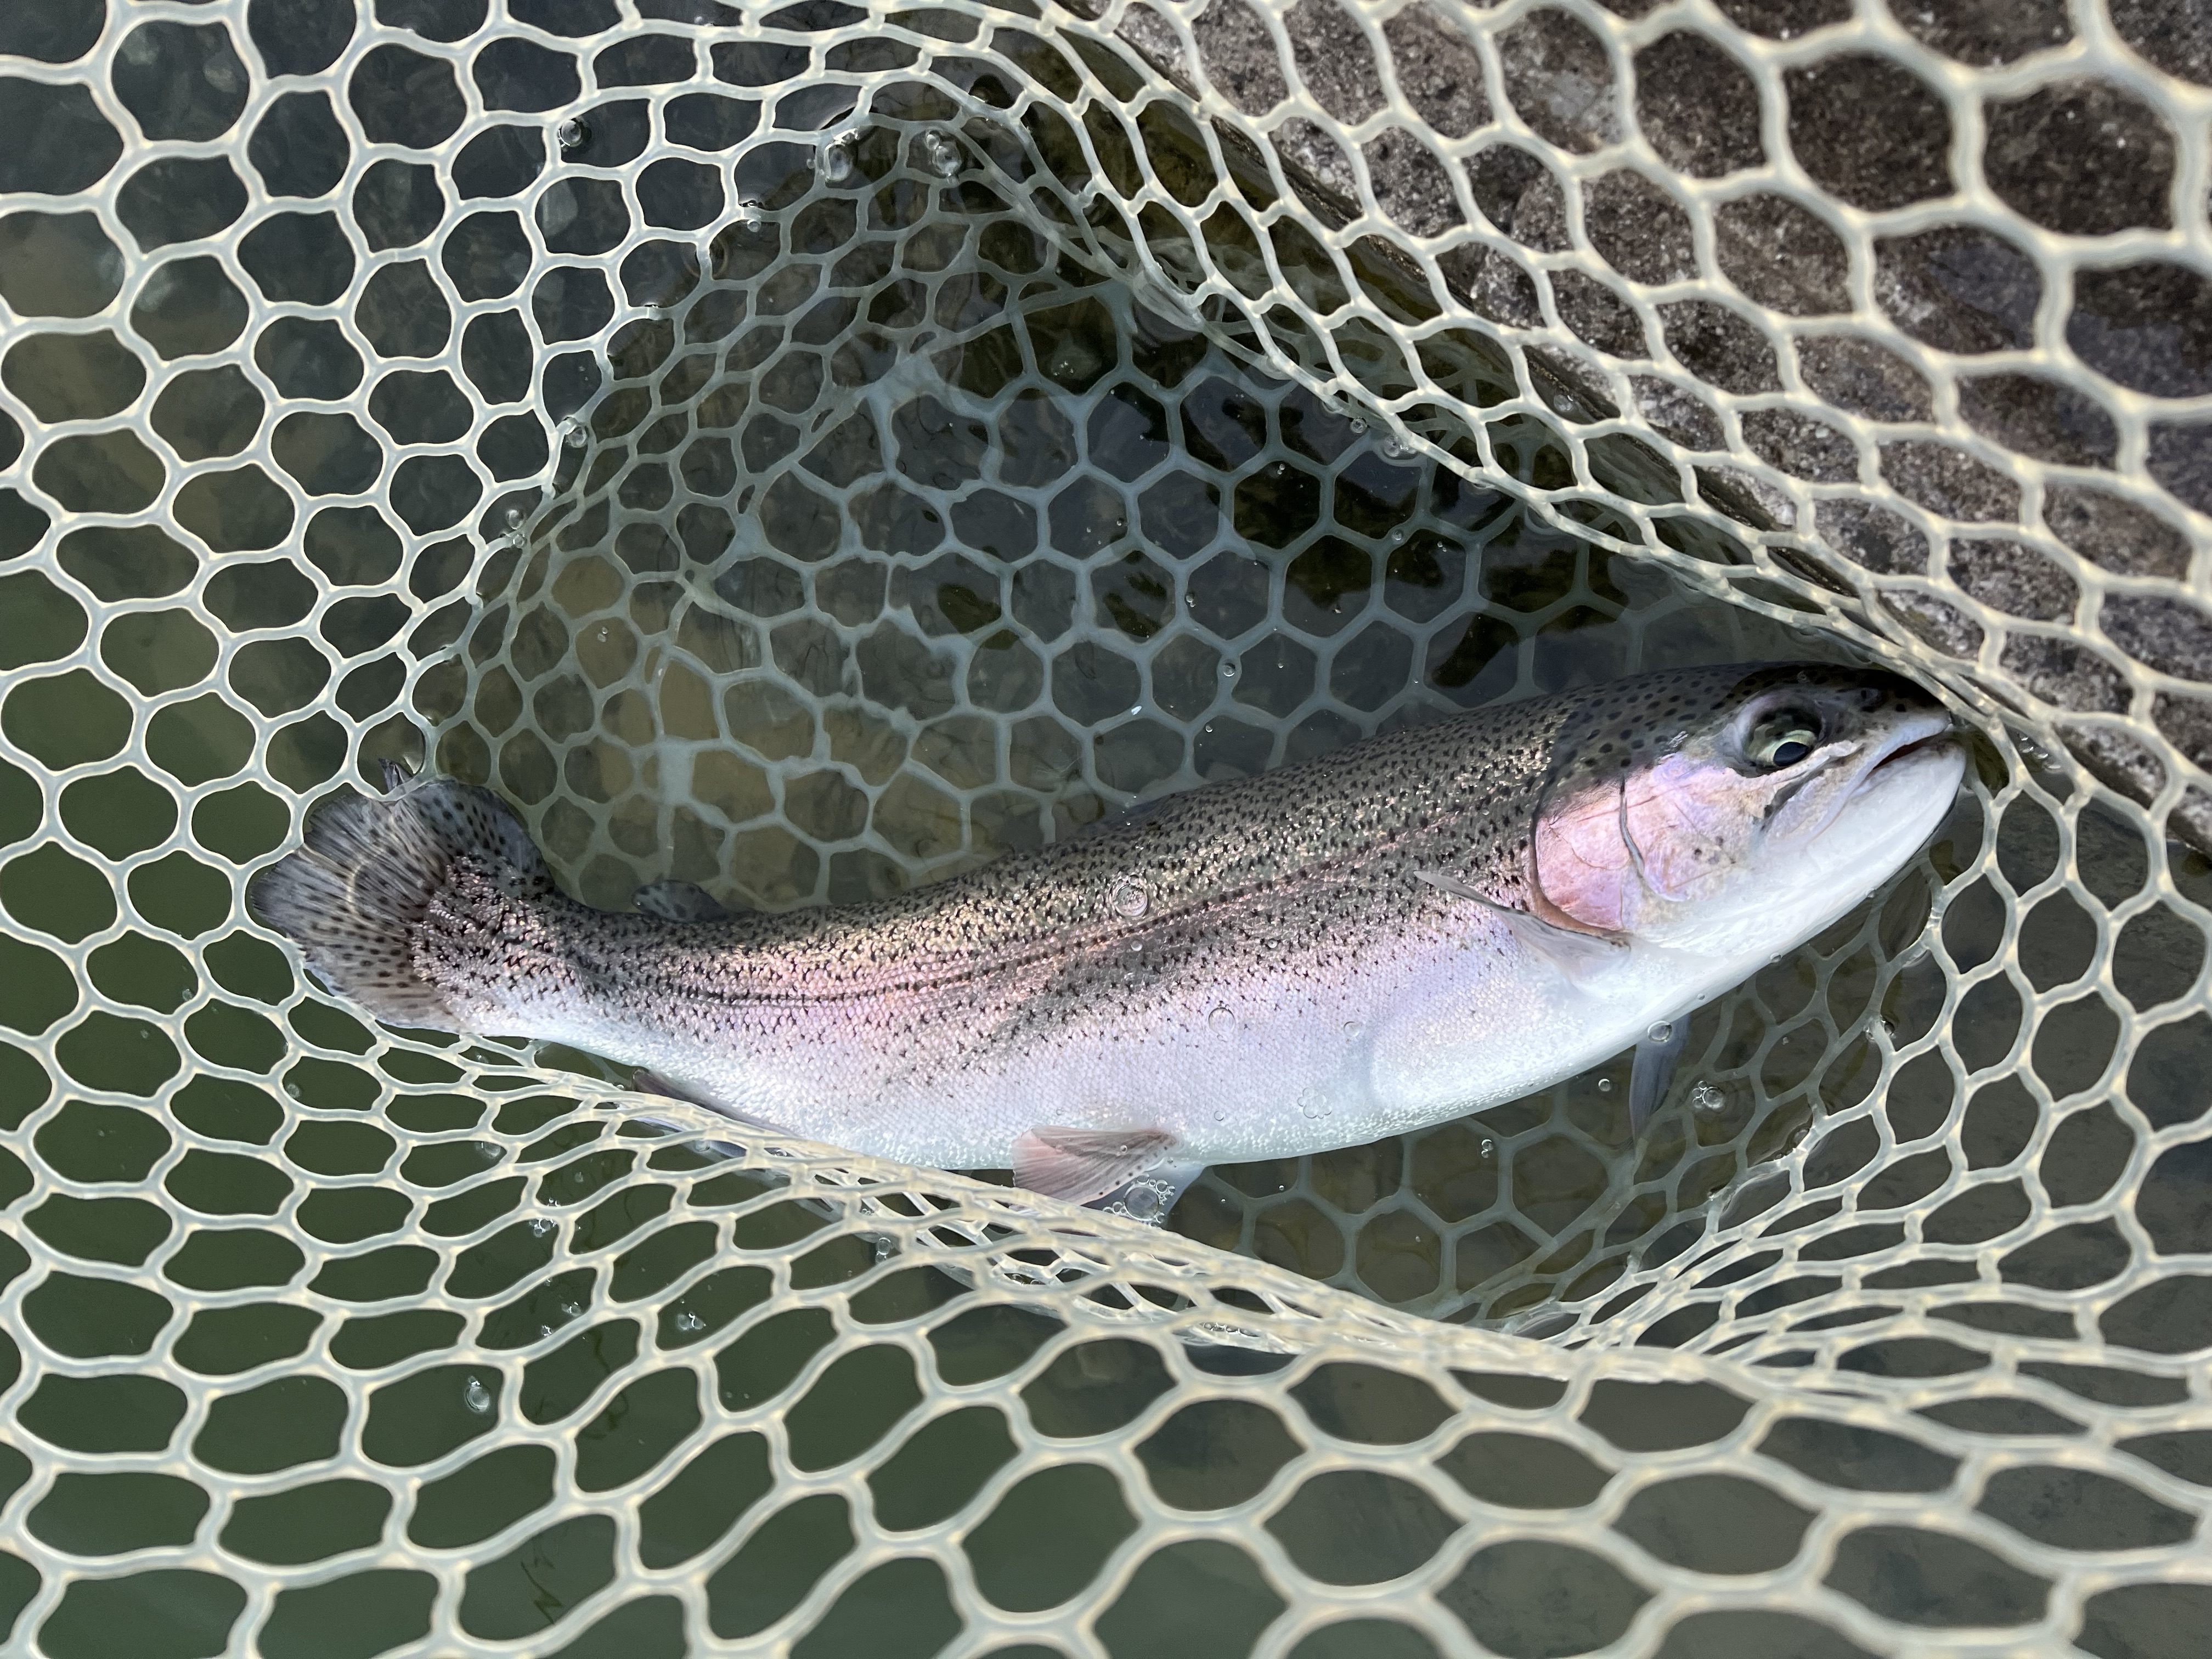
1918,734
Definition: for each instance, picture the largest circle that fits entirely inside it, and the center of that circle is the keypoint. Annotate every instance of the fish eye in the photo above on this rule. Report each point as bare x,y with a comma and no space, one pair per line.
1783,738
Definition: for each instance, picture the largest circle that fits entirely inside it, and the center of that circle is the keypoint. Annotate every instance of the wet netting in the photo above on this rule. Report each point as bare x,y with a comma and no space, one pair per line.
806,451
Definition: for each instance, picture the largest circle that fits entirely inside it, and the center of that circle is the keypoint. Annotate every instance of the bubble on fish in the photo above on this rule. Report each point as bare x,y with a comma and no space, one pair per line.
1129,897
572,134
475,1396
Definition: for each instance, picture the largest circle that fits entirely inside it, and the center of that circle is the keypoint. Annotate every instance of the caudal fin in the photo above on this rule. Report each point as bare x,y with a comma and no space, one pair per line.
354,896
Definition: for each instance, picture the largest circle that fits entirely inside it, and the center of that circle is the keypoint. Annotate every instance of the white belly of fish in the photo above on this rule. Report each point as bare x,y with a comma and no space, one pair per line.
1420,1032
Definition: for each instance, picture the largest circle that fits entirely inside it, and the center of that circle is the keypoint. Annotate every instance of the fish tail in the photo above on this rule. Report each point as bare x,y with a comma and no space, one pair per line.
355,896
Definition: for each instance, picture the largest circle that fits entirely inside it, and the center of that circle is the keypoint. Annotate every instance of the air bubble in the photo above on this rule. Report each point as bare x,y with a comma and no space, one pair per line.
1314,1103
1143,1203
572,134
540,1227
1129,897
513,518
941,154
476,1397
1707,1101
1397,448
1222,1019
838,161
572,434
1605,1085
1661,1032
1228,668
688,1320
1489,1149
1357,425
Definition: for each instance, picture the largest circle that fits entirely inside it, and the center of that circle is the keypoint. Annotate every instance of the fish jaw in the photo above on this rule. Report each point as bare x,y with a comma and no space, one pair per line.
1812,884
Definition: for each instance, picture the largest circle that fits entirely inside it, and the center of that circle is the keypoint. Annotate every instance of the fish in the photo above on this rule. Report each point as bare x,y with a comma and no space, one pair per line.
1396,933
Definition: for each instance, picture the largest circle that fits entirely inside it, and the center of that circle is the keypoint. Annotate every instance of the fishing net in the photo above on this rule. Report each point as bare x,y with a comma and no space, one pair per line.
807,450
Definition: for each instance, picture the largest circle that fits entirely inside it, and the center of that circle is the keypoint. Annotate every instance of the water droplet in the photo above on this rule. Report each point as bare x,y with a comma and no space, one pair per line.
1129,897
572,434
939,152
837,161
476,1397
1605,1085
1660,1032
573,134
688,1320
1222,1019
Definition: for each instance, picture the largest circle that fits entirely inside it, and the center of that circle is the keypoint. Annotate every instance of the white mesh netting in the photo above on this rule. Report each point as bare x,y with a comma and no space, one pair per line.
804,450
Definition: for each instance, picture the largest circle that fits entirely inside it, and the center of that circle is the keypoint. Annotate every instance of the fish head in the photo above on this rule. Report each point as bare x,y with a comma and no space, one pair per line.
1738,810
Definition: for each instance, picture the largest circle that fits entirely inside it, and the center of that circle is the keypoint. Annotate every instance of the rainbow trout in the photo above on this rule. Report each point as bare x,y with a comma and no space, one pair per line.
1408,929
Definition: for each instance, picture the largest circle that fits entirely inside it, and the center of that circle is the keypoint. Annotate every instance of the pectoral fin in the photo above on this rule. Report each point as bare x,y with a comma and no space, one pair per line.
1651,1071
1081,1165
1577,955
